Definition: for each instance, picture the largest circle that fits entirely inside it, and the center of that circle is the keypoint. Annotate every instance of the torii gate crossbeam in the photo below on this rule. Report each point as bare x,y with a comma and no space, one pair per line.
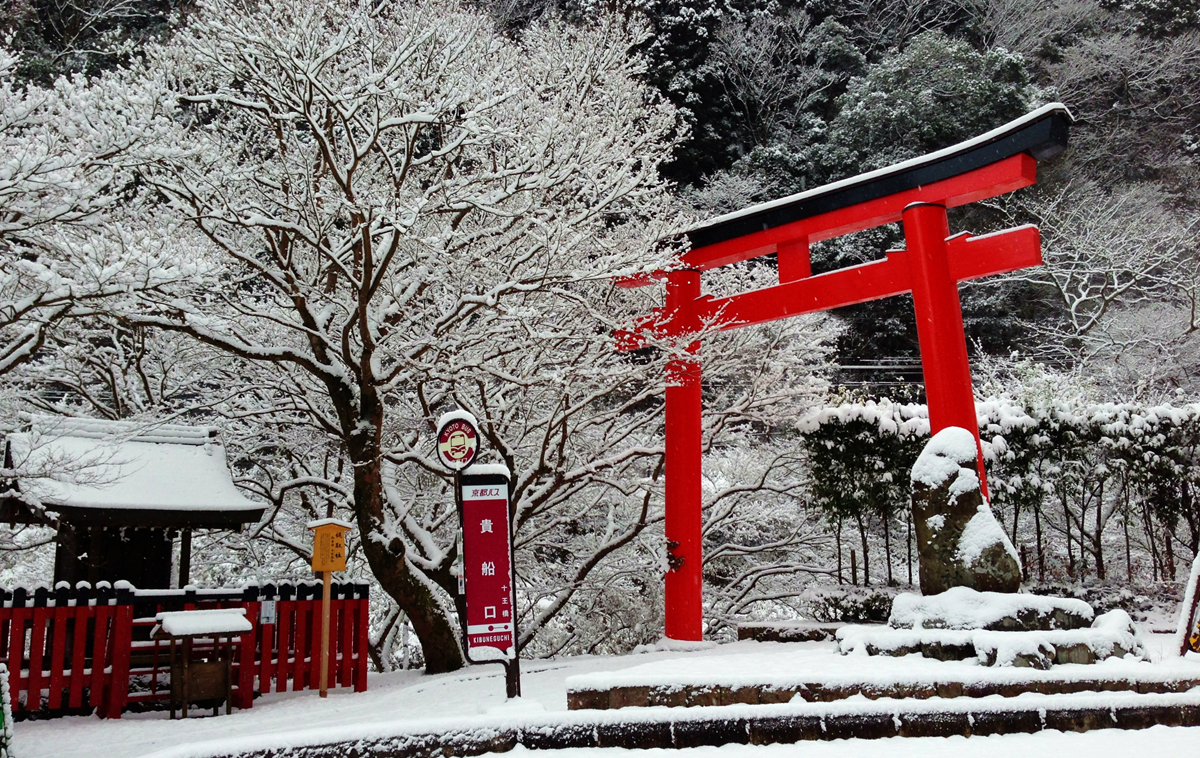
916,193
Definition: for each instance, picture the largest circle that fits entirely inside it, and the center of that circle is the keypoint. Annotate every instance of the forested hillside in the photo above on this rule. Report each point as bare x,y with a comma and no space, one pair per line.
318,226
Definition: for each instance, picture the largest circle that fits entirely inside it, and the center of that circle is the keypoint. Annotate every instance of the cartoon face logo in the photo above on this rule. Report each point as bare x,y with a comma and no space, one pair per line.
457,444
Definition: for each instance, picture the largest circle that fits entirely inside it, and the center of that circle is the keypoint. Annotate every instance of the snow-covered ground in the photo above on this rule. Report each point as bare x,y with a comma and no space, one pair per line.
407,700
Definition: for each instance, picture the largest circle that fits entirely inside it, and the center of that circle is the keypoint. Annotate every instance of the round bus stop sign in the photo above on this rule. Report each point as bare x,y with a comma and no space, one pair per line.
458,440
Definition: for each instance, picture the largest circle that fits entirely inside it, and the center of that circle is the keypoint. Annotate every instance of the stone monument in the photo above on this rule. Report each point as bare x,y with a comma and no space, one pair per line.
959,541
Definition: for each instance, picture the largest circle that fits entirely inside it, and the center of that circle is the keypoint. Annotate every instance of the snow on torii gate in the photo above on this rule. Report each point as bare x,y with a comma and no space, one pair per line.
916,193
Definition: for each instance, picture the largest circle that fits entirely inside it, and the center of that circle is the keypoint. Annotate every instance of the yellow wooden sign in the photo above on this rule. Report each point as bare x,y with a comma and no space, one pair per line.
329,544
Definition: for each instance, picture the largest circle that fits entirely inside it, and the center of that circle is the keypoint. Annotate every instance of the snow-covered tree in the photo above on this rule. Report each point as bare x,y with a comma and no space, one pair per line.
406,211
74,231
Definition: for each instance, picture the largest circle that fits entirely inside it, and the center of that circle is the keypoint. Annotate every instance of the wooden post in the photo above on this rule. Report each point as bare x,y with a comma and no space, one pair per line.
329,555
325,592
185,557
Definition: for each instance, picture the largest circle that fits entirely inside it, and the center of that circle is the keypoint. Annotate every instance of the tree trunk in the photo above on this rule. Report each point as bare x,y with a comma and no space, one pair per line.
1169,553
1067,523
908,521
838,539
1041,551
1191,514
1097,536
431,617
887,549
866,562
1148,528
1128,548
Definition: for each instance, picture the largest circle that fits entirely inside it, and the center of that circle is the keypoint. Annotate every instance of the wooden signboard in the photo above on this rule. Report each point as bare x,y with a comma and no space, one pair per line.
329,545
329,555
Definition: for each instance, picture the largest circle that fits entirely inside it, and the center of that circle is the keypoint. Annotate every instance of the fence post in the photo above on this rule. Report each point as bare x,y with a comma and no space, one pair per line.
248,644
364,622
267,636
16,648
58,644
37,649
101,647
83,612
122,646
347,620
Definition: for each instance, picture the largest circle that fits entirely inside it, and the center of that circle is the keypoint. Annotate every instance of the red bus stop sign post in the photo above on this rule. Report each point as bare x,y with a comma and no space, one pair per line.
487,598
491,618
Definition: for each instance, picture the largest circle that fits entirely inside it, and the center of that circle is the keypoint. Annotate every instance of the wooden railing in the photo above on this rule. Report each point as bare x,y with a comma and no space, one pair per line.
73,651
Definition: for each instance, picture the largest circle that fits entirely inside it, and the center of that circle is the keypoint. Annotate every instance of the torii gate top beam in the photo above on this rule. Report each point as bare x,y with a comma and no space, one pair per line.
992,164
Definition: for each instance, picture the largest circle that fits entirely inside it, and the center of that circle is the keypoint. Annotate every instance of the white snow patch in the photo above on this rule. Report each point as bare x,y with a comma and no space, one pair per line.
492,469
517,706
218,621
666,644
326,521
980,533
943,455
460,415
966,608
405,702
123,465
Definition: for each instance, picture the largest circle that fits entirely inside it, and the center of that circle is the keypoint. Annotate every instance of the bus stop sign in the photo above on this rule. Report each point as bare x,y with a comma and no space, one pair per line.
487,567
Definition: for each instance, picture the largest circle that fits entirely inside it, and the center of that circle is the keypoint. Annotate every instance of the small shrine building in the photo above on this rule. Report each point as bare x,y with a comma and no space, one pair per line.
119,493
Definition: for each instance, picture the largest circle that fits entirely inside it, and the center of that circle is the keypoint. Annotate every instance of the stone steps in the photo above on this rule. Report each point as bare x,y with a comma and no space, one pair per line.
696,695
762,725
787,631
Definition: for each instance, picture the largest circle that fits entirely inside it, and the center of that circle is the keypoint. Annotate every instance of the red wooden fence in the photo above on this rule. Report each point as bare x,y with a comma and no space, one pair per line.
75,650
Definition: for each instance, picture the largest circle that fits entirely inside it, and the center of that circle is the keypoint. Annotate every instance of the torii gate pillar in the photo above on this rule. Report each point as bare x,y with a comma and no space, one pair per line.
940,333
682,520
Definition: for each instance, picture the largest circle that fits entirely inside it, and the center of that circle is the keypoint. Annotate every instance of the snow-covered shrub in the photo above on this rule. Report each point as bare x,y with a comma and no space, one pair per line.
860,605
1073,482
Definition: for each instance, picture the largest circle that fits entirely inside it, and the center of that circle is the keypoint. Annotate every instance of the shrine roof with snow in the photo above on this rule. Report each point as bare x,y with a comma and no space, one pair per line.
127,474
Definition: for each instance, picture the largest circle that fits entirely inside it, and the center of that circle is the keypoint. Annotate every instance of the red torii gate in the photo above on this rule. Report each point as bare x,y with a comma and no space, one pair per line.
915,192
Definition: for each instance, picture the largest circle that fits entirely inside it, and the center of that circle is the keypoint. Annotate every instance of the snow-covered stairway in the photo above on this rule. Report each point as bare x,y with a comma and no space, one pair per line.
631,690
786,723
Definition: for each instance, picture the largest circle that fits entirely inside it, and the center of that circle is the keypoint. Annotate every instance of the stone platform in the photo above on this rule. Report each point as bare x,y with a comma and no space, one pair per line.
787,631
785,723
816,673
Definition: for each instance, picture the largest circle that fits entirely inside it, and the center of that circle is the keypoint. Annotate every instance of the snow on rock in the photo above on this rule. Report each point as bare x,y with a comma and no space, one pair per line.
966,608
980,533
959,541
197,623
1111,635
943,457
